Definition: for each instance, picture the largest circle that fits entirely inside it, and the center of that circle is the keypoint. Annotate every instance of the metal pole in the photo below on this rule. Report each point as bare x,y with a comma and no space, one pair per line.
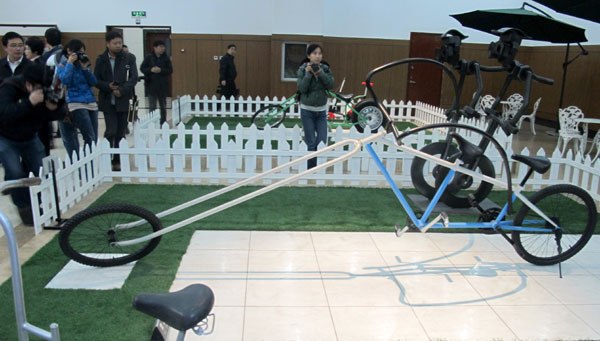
564,79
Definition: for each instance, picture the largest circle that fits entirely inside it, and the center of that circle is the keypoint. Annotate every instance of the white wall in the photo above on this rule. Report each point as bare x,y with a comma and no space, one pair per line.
393,19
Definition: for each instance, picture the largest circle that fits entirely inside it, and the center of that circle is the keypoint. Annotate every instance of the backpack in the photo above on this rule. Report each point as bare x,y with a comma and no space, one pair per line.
56,91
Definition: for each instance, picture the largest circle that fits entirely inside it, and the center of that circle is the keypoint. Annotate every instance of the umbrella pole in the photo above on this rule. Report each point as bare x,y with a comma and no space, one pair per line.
564,79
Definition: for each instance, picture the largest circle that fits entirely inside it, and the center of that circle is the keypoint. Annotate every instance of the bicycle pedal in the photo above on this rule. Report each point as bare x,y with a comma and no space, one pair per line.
400,230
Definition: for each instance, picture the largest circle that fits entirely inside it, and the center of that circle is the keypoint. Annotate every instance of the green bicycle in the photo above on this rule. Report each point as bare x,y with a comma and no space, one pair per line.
357,111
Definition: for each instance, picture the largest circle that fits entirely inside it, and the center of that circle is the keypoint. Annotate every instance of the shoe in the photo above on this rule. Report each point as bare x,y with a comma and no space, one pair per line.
26,215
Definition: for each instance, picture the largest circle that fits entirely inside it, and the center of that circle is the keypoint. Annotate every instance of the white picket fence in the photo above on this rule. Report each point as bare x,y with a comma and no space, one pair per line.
228,154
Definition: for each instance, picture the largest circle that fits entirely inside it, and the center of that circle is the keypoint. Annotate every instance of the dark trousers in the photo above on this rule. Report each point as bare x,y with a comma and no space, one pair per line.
116,122
12,153
162,102
315,131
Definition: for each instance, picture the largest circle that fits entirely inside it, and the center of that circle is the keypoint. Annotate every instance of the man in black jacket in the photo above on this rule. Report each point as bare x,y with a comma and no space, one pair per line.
156,68
117,75
22,112
227,73
15,62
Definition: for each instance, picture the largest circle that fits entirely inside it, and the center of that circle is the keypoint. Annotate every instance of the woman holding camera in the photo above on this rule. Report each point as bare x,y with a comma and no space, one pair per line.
314,77
74,71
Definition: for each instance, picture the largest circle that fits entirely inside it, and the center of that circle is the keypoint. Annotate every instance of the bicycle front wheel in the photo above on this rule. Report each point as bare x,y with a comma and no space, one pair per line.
369,116
88,237
271,115
571,208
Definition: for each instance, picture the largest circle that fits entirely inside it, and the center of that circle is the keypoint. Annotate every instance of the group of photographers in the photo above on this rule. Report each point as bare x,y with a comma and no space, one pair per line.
58,86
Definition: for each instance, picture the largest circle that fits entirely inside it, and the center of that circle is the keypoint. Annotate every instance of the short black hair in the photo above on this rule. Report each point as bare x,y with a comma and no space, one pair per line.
9,36
36,45
110,35
53,36
158,43
230,46
34,73
125,46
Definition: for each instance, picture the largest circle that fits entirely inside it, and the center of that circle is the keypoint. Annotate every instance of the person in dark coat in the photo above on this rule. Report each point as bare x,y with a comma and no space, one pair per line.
156,68
227,73
116,88
22,112
15,62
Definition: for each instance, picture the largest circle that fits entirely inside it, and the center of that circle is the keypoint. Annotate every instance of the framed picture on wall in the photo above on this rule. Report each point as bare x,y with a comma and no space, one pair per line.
291,58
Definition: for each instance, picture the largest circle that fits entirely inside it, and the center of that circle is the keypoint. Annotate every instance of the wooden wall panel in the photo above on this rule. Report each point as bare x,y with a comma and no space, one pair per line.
184,59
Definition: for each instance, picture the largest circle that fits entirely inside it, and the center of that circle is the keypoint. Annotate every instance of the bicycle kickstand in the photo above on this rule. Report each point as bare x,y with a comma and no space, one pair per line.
558,236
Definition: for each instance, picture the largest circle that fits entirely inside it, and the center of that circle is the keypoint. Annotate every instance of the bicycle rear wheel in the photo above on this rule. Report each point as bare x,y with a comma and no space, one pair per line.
87,237
571,208
271,115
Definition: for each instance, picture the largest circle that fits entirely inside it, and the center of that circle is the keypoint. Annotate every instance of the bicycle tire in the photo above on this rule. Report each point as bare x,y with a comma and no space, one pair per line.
369,110
455,195
86,237
417,168
574,210
271,115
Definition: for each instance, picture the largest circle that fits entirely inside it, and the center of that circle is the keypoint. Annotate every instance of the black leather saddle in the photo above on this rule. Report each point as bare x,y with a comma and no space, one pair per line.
539,164
181,309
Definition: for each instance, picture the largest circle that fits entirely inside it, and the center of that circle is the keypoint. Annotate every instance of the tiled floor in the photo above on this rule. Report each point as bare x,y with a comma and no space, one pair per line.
374,286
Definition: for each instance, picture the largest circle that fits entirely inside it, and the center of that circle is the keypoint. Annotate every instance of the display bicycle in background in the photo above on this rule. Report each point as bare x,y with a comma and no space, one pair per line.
357,111
549,227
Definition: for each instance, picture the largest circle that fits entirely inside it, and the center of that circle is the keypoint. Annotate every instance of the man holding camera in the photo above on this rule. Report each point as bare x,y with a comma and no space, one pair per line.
23,109
117,75
227,73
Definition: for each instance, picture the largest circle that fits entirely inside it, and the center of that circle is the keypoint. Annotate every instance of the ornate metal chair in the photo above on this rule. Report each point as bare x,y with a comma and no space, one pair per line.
484,102
512,104
531,117
568,119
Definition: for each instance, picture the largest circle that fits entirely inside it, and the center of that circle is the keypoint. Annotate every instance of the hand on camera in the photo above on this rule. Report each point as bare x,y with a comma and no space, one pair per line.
72,58
36,96
155,69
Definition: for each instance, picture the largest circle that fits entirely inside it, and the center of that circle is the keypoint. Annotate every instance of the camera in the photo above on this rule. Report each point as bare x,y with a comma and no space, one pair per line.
82,57
315,67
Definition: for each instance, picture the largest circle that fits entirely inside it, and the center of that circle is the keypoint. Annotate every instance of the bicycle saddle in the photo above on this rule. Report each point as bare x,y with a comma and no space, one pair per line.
470,152
346,98
181,309
539,164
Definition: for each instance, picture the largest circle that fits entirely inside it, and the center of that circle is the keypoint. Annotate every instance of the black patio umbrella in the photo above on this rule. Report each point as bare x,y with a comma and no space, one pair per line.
537,26
585,9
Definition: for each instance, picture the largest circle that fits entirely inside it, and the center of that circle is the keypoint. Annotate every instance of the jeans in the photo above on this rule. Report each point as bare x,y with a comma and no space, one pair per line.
116,122
315,131
87,122
11,153
162,101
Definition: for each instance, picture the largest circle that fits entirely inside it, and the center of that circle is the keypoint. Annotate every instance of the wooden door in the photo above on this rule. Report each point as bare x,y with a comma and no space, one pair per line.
424,80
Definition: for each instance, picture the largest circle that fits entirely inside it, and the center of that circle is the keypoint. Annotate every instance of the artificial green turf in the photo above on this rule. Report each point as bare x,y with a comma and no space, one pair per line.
108,315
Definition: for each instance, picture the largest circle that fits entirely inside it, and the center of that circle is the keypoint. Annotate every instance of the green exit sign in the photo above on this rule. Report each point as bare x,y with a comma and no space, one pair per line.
138,14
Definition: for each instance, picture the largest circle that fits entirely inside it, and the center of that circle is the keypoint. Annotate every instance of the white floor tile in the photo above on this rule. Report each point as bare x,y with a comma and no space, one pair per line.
572,289
343,241
460,242
387,241
278,291
590,314
397,260
291,241
229,290
288,323
78,276
545,322
363,291
291,263
589,261
199,261
479,258
350,263
438,290
220,240
463,323
511,290
377,323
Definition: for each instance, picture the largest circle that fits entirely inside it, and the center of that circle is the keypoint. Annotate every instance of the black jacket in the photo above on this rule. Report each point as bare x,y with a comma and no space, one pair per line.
227,70
157,84
19,120
124,62
5,70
